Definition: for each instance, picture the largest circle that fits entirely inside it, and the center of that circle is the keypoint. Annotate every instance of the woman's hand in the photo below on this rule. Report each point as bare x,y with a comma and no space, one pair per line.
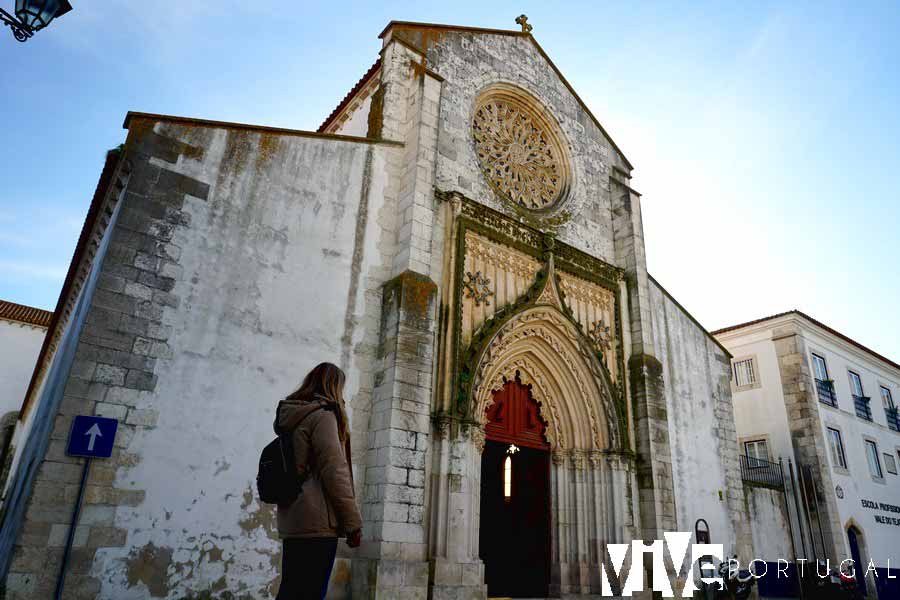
355,538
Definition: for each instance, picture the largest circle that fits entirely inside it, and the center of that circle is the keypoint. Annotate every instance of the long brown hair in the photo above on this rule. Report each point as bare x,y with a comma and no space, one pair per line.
325,381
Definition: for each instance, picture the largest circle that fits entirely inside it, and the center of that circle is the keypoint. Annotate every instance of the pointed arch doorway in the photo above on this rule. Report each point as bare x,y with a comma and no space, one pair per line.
514,533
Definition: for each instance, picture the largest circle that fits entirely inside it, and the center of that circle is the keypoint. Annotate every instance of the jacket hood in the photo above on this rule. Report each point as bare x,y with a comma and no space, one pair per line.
290,412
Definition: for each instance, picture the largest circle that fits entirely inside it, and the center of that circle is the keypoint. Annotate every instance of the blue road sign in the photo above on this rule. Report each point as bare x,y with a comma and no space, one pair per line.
92,436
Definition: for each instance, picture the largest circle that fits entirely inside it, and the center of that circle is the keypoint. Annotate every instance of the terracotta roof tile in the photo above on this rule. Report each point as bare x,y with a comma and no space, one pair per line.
25,314
349,97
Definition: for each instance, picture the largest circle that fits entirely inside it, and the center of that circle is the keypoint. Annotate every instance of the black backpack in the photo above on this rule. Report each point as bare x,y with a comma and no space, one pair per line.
277,479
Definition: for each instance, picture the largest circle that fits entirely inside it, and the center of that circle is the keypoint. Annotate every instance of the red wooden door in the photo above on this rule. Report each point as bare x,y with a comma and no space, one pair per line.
514,418
515,514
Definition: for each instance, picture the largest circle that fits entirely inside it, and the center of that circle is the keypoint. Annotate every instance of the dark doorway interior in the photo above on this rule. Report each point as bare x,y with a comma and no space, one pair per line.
515,497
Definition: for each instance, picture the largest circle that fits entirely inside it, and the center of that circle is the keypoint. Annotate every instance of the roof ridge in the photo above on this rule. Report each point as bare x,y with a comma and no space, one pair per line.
423,24
817,323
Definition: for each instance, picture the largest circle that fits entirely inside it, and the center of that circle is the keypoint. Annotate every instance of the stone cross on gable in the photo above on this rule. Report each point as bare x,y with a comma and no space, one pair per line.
523,21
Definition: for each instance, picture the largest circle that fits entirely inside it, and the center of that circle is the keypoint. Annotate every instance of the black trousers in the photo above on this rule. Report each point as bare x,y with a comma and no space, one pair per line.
306,565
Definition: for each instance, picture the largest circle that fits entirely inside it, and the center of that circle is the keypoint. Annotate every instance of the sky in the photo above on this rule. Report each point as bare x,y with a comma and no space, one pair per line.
764,135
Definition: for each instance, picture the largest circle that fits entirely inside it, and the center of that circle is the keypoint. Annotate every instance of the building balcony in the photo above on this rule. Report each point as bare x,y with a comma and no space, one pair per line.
825,390
757,471
863,410
893,418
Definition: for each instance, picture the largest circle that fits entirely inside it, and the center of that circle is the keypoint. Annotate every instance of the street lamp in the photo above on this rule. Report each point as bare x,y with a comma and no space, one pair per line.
33,15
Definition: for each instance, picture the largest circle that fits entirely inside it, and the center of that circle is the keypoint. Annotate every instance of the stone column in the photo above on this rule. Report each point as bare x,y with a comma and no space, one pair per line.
601,514
560,522
651,434
393,556
576,521
393,559
456,569
801,403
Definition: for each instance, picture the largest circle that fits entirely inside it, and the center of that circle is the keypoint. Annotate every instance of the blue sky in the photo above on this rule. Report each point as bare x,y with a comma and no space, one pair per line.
764,135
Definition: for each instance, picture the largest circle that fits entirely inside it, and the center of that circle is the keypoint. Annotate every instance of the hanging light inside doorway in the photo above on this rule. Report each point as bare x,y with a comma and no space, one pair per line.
507,471
507,477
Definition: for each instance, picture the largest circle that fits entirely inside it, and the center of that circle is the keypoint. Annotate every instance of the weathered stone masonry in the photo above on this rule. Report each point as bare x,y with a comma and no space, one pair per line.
123,338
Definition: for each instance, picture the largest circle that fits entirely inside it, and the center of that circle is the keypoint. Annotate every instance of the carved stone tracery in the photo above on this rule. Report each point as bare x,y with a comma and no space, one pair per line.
520,151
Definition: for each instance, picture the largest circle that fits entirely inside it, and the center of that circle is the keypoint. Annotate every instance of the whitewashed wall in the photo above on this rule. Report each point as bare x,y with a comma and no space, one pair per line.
701,429
882,540
761,412
19,348
265,269
769,524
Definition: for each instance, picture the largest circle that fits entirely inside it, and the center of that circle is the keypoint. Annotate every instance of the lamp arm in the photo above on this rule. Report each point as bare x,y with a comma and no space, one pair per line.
20,30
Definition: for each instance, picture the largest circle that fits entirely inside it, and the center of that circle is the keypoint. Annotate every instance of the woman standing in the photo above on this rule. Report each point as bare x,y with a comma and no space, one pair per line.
326,509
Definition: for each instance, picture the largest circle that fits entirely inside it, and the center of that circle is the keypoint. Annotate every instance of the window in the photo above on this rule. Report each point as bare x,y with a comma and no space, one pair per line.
757,453
744,372
886,398
820,368
824,385
890,411
837,448
855,384
889,465
860,401
874,462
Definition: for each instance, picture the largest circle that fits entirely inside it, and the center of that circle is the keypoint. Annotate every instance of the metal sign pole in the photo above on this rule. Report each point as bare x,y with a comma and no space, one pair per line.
65,560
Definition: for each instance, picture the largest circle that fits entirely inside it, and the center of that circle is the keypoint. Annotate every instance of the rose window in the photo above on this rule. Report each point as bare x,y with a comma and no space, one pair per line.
519,151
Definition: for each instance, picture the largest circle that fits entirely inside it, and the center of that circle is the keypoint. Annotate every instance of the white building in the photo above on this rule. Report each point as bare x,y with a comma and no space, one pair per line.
806,393
22,332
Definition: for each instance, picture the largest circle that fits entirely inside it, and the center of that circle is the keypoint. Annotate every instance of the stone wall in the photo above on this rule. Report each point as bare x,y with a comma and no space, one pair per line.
238,262
470,62
769,523
805,425
704,453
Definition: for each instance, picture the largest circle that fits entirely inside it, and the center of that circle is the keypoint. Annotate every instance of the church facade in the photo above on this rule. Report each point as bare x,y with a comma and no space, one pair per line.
461,237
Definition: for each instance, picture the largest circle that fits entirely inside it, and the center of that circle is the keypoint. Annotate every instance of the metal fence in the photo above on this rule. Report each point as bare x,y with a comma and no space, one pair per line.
863,409
825,389
762,472
893,419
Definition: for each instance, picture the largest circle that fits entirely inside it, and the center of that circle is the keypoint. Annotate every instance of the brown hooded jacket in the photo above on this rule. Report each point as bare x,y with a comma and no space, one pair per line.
327,505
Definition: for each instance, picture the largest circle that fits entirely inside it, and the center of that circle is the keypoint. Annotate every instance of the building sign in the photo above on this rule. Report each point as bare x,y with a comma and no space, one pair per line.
883,506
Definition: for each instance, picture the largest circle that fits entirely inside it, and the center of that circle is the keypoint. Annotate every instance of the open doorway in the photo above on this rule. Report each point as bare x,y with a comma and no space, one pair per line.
514,536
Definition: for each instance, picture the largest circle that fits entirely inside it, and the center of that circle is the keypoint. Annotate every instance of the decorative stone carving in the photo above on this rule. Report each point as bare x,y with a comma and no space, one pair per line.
519,150
543,347
442,428
579,459
478,287
477,436
558,457
600,335
501,257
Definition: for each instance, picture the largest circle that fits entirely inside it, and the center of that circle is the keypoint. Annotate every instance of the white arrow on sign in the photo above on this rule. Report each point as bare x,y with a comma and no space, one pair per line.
94,432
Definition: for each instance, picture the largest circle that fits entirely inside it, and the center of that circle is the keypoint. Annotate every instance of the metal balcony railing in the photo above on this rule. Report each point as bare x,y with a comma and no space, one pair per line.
761,472
825,389
893,418
863,409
